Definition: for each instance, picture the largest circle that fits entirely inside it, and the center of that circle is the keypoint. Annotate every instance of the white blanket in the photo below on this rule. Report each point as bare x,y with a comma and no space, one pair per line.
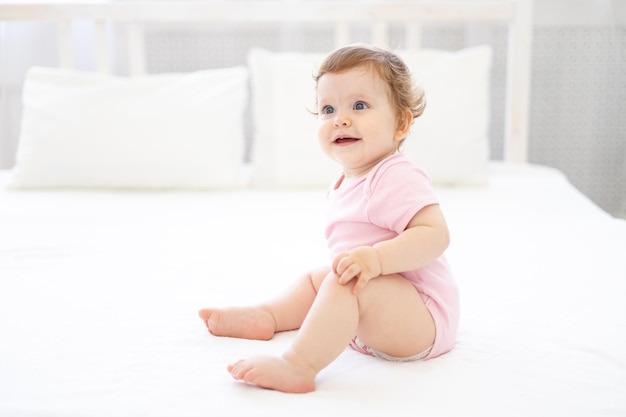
99,293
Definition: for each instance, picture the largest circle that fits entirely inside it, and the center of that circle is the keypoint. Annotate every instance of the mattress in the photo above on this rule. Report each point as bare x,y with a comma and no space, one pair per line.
99,292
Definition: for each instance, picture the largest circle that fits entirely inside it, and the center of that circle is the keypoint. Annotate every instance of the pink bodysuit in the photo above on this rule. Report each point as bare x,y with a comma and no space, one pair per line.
378,207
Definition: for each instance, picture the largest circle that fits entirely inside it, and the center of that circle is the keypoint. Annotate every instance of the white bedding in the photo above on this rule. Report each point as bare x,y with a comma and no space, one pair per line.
99,292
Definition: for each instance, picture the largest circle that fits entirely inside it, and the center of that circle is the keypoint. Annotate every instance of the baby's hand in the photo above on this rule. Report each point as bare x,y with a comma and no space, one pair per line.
362,263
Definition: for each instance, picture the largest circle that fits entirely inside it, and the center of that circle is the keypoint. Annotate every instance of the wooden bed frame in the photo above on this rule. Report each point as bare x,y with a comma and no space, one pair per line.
517,14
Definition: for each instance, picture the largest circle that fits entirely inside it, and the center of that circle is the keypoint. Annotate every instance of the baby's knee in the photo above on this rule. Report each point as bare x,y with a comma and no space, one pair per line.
331,282
317,276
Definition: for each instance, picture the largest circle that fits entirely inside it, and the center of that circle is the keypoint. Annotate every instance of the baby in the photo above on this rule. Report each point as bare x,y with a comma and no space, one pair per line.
388,292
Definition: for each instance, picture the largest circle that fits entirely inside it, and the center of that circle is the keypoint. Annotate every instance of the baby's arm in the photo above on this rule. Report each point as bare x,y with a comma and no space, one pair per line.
424,240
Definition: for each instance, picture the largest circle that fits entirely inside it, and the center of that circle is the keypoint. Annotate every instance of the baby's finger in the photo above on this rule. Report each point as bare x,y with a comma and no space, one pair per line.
347,266
343,280
337,263
360,284
351,272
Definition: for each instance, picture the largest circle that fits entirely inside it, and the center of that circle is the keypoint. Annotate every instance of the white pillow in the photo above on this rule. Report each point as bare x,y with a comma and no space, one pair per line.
449,141
285,148
155,131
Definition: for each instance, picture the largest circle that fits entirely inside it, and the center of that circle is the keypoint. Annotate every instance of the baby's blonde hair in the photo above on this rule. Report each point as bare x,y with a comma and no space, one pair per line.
391,69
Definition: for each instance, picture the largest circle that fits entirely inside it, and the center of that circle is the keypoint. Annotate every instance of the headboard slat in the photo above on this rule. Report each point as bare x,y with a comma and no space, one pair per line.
136,49
342,34
380,34
101,47
413,36
64,40
518,84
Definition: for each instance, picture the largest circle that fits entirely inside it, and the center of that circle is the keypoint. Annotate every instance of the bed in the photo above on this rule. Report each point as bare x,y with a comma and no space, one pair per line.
127,211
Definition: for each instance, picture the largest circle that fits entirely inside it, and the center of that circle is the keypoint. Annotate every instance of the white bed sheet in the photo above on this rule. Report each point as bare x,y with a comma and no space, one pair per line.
99,293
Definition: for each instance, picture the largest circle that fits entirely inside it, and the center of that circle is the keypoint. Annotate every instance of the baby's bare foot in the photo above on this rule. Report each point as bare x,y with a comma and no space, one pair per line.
275,373
245,323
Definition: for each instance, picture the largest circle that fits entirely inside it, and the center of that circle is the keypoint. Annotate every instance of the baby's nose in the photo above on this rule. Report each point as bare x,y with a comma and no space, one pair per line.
342,121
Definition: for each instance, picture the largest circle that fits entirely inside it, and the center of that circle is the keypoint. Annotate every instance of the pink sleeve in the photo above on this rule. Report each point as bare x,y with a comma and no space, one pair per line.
396,192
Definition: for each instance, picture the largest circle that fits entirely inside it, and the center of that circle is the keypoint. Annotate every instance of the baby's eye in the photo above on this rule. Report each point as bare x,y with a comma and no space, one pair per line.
328,110
359,105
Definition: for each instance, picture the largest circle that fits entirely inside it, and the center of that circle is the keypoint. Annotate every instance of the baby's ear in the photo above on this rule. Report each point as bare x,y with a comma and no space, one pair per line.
405,119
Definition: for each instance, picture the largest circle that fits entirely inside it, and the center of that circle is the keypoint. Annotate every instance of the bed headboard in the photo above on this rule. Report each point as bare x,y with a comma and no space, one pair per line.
516,14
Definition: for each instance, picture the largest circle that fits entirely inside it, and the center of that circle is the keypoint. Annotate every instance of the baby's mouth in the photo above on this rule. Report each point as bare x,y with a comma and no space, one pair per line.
346,140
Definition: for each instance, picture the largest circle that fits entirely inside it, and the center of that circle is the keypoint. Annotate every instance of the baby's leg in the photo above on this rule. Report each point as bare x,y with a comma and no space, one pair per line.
388,315
328,328
400,328
242,322
285,312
